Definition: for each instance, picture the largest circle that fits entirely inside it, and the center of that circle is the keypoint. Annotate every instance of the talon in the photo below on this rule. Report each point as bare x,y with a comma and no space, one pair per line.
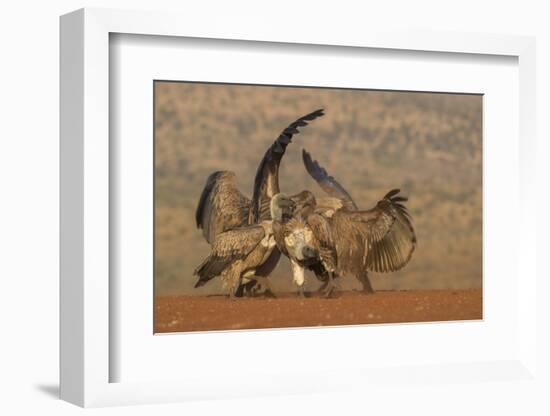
266,284
367,286
268,293
330,287
329,291
252,289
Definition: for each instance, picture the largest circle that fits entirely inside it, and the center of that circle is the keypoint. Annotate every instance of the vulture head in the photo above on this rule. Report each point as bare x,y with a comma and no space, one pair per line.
300,241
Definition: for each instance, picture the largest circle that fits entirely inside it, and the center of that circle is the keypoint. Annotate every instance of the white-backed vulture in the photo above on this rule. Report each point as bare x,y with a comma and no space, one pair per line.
381,239
237,254
222,207
306,241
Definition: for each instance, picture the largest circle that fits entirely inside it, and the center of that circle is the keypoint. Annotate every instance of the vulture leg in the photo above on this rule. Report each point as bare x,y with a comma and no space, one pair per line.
298,276
232,294
330,285
245,288
234,289
265,283
364,279
324,278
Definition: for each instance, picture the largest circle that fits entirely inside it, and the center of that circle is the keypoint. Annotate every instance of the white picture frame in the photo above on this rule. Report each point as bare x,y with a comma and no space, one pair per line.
85,211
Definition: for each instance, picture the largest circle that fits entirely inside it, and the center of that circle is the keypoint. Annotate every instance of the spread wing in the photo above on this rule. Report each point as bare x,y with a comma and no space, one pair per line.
228,247
221,206
388,232
327,182
328,205
266,182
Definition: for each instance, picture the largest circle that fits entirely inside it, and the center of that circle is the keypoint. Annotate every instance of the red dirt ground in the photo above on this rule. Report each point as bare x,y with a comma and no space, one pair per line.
205,313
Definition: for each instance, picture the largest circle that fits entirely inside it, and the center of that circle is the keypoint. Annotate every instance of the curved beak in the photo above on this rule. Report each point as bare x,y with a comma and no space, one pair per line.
310,253
287,203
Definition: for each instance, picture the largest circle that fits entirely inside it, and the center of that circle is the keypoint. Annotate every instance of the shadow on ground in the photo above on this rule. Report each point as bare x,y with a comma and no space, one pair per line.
51,390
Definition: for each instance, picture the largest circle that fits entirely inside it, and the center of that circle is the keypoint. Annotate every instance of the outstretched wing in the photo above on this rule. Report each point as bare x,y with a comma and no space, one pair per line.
389,234
266,182
221,206
327,182
228,247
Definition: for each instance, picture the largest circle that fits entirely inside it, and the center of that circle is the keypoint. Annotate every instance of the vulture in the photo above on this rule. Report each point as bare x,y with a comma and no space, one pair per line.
344,239
305,240
237,254
239,229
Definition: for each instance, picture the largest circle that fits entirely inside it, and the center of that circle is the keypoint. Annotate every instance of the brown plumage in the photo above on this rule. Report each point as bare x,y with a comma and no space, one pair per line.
222,207
381,239
305,239
266,182
236,254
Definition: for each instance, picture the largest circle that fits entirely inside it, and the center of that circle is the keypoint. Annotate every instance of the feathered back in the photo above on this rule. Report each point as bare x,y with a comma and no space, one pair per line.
228,247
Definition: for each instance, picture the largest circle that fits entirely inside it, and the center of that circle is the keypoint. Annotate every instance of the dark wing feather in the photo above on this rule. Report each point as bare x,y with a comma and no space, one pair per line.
389,234
228,247
266,182
269,265
221,206
327,182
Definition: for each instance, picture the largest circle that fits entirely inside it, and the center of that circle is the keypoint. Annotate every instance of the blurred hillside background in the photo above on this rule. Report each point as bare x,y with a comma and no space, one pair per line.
429,145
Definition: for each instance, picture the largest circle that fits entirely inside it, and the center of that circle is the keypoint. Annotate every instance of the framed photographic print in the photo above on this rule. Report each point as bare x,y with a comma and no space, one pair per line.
375,142
277,213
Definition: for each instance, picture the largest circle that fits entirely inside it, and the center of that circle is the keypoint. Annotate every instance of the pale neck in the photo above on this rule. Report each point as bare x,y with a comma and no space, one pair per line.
276,211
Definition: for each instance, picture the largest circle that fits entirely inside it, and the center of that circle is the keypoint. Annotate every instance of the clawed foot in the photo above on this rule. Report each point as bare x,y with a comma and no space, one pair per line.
329,288
266,284
301,292
365,281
